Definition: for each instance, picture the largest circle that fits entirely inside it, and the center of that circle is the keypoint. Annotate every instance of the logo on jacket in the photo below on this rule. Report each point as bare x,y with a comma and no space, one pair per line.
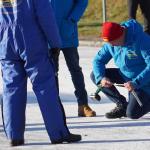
132,54
9,3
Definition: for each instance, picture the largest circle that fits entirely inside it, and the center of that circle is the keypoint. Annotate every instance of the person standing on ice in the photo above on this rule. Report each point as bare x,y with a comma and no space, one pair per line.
68,13
24,32
129,46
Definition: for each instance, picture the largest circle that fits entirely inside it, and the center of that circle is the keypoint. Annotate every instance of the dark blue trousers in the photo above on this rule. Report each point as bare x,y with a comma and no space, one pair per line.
72,60
133,111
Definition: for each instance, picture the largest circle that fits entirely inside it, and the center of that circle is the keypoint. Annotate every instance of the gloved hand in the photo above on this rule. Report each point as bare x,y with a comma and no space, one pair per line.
55,53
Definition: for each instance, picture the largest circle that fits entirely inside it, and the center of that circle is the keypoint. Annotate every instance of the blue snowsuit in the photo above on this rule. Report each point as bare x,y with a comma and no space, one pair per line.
68,13
24,34
132,60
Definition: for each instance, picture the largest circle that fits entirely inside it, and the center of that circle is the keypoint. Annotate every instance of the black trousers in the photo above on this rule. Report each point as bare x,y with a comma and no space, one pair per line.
145,8
134,111
72,60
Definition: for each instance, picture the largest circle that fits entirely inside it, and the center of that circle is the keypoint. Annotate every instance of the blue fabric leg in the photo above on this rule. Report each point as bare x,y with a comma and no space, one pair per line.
44,86
14,98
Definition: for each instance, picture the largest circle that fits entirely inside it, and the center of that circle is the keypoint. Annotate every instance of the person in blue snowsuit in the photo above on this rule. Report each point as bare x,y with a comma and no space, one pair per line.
129,47
25,33
68,13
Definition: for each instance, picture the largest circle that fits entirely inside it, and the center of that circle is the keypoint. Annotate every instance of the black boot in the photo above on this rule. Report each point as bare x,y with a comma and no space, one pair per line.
118,112
16,142
69,139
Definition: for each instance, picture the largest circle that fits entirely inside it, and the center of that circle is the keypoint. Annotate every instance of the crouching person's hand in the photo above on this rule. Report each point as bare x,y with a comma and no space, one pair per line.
129,86
105,82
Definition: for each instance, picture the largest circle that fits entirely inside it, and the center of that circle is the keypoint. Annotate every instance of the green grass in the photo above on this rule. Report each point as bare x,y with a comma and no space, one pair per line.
90,23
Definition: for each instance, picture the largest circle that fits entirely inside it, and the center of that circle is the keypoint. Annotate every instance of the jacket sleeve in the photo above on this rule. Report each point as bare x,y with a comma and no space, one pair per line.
78,10
47,21
99,62
144,77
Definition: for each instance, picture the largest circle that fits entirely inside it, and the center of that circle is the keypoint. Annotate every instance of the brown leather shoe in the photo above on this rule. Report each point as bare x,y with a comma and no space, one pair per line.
16,142
85,111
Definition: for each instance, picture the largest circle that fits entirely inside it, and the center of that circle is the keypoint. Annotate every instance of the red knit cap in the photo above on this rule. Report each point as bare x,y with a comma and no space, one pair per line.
111,31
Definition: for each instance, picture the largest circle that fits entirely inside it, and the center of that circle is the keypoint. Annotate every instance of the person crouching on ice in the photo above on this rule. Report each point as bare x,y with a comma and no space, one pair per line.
129,46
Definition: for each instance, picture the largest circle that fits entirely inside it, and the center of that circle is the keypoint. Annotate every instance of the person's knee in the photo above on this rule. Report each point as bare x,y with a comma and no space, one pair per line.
92,77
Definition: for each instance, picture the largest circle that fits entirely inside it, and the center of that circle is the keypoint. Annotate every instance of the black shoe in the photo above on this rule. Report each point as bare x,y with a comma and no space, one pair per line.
16,142
118,112
71,138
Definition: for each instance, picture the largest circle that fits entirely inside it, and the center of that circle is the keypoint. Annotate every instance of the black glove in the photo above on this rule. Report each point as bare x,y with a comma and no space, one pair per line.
55,53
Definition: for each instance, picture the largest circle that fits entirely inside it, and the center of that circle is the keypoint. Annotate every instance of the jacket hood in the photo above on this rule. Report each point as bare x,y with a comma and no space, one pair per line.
134,31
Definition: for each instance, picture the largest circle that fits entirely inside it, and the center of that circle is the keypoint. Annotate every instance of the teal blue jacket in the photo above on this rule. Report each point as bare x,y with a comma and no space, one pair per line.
68,13
133,59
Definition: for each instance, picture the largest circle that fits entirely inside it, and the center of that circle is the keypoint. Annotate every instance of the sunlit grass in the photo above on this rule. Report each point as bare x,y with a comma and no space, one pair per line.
90,24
